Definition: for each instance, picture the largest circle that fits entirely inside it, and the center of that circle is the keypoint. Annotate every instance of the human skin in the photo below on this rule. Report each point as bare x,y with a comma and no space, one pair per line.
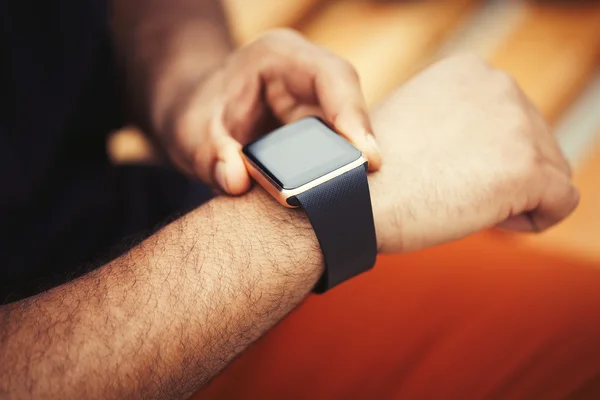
462,150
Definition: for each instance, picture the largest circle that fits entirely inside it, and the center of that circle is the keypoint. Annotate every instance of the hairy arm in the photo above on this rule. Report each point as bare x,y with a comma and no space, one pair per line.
166,47
164,318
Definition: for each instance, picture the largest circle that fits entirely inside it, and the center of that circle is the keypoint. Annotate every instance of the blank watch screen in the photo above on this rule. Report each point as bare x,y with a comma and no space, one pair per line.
301,152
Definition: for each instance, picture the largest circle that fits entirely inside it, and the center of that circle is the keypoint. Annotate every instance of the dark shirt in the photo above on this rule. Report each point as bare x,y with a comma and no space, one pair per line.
62,204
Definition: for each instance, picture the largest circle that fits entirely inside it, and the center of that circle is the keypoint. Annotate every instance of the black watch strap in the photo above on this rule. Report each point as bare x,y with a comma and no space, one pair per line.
341,215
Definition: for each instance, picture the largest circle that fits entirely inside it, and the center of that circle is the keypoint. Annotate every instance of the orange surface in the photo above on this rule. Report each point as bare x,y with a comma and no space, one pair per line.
473,319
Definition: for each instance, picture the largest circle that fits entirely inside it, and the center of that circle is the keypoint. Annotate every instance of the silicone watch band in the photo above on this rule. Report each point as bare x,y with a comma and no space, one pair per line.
341,215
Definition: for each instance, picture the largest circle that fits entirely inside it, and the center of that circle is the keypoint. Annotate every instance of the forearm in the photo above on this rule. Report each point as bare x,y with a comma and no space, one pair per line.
166,47
164,318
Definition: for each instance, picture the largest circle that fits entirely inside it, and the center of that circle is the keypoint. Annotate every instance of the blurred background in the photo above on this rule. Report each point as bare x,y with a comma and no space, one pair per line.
552,48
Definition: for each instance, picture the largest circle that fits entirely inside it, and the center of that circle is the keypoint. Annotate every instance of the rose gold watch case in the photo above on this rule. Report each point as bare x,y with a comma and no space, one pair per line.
282,195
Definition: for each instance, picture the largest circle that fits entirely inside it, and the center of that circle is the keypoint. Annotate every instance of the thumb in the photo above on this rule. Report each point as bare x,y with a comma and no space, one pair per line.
229,170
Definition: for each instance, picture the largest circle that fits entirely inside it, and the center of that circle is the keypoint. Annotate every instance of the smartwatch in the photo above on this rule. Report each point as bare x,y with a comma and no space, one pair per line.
307,164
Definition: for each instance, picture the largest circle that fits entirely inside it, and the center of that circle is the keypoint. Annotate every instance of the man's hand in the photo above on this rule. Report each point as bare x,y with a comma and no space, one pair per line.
464,150
276,79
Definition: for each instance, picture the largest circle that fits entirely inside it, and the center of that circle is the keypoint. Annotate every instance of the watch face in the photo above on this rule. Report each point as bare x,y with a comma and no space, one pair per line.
300,152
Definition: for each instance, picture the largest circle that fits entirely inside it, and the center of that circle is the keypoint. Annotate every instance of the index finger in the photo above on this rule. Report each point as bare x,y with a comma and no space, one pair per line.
339,94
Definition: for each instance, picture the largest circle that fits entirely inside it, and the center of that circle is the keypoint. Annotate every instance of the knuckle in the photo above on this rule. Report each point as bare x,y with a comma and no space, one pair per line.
525,166
532,163
518,126
280,36
512,125
344,66
566,165
504,82
464,72
531,158
466,62
574,197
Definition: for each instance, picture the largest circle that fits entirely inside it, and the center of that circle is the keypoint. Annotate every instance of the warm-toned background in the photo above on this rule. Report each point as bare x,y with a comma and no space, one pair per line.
551,48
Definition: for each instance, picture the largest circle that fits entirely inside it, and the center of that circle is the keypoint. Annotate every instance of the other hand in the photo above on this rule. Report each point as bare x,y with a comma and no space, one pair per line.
277,79
464,150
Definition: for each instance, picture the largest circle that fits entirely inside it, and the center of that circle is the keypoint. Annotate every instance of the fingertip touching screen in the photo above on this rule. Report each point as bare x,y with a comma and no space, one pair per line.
300,152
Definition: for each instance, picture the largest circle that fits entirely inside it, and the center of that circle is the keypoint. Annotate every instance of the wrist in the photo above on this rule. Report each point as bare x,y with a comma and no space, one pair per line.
285,234
170,71
385,213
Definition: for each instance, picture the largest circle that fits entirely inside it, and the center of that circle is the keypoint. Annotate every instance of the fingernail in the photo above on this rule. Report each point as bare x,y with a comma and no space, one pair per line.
221,175
373,142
